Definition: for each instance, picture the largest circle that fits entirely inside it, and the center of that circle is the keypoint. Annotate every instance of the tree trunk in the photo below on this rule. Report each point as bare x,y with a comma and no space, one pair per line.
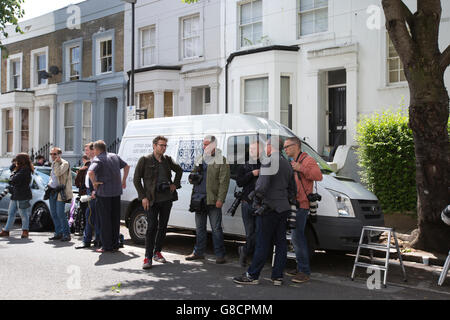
428,118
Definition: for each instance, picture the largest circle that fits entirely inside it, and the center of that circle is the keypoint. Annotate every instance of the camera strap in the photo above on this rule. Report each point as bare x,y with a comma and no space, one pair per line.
298,173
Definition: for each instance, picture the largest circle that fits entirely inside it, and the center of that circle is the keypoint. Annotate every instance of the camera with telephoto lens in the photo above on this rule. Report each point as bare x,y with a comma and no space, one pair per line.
313,199
195,178
61,189
163,187
235,204
259,207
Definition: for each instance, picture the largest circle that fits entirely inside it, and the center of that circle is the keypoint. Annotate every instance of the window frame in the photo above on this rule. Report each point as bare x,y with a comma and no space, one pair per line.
243,83
151,46
96,60
34,74
7,130
400,71
83,124
313,10
22,130
69,127
240,26
199,50
9,81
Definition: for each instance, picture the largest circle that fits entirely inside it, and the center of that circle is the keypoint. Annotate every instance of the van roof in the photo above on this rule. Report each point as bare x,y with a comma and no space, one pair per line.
202,124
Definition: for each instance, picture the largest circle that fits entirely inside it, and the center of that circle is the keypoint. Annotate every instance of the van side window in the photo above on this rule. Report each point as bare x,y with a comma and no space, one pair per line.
237,152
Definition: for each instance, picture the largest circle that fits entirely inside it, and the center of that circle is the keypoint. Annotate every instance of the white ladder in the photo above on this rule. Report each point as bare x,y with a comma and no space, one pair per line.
378,247
444,270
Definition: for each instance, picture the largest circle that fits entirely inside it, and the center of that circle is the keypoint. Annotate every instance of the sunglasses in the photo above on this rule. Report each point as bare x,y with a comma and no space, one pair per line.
285,147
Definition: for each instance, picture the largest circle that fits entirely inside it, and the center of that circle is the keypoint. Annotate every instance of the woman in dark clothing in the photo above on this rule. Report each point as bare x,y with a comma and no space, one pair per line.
19,187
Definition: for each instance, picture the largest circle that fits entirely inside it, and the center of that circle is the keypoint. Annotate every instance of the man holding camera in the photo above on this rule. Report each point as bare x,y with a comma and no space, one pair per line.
104,173
247,175
274,192
157,194
60,187
306,172
214,186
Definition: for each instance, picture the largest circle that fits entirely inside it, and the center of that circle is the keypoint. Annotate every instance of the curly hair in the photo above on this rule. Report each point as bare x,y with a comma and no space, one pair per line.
23,161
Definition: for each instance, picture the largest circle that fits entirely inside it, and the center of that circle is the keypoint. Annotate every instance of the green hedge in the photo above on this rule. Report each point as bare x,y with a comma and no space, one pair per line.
386,155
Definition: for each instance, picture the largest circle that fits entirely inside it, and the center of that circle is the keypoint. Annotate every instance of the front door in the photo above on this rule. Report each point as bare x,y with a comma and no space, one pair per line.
337,116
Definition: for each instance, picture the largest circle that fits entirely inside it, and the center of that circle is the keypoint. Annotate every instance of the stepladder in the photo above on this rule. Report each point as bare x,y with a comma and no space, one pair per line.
366,244
444,270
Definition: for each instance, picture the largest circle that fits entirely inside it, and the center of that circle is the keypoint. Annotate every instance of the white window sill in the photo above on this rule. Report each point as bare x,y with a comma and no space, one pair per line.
396,85
316,37
192,60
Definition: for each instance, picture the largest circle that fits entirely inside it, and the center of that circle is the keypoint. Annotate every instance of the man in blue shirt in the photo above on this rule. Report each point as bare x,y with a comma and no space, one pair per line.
104,173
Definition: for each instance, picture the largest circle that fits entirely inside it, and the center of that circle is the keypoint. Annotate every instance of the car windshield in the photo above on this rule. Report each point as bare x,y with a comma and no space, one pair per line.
44,177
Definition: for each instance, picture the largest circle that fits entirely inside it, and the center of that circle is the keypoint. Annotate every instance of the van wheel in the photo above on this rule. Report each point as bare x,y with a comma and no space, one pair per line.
138,225
40,219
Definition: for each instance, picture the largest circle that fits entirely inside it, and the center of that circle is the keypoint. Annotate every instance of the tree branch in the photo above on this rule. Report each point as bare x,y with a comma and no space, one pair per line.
445,58
396,18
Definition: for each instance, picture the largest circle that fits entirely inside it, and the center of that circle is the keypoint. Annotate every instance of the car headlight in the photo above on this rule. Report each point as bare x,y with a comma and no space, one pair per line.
343,203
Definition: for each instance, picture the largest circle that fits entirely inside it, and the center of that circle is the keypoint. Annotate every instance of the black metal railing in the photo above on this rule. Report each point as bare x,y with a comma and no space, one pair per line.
42,151
114,146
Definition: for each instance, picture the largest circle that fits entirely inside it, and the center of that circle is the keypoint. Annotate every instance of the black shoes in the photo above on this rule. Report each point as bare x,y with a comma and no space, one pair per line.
66,239
56,237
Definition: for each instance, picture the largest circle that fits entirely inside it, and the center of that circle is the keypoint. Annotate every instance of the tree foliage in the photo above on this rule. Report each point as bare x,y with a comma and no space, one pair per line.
10,13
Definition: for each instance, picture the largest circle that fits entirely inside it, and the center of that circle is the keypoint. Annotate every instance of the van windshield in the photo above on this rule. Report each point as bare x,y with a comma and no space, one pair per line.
238,152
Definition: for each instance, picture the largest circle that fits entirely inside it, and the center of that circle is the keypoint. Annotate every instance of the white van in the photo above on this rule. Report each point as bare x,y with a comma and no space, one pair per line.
346,206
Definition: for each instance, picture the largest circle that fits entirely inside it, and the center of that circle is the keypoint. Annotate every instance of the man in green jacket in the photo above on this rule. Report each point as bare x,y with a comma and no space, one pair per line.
157,195
213,186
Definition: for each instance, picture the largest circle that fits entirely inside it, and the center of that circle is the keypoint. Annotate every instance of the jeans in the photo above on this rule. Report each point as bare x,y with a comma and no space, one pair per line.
270,229
299,242
108,209
92,223
59,217
24,215
215,219
249,221
157,219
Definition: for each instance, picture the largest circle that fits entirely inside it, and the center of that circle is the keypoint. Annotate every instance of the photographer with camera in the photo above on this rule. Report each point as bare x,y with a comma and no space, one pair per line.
247,175
274,191
306,172
60,192
212,188
157,195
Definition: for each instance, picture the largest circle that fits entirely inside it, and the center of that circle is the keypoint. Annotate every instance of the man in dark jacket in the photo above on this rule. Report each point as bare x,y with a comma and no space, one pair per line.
246,178
275,190
157,195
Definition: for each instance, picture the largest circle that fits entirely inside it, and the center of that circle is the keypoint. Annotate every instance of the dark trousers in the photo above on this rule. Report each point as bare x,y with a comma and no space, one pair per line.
108,210
157,219
92,222
270,229
249,221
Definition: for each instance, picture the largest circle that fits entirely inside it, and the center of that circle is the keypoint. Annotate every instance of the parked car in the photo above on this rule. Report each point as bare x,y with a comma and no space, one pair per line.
40,219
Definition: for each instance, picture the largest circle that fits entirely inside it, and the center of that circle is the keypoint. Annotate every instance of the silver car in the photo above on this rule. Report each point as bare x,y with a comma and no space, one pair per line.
40,219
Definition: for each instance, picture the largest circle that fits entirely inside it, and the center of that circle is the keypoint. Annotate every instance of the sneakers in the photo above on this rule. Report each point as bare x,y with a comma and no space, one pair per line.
300,277
242,257
245,279
277,281
158,257
193,256
56,237
147,263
